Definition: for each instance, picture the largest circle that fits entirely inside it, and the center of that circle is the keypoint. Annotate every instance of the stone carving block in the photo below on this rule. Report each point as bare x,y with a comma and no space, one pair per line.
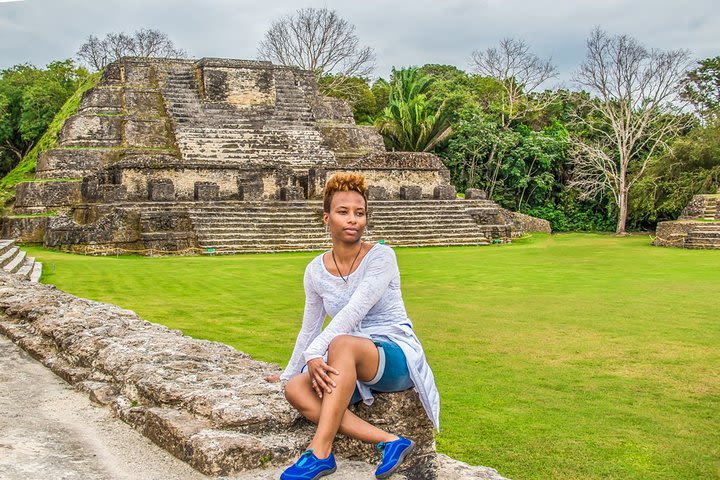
444,192
111,192
251,191
47,194
161,190
375,192
206,191
146,132
289,194
475,194
92,131
410,192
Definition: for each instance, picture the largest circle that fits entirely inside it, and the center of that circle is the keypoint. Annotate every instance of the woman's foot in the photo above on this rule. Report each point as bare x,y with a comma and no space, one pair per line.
393,455
310,467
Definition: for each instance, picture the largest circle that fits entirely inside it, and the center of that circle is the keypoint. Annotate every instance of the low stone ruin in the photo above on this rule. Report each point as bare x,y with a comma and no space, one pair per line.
697,228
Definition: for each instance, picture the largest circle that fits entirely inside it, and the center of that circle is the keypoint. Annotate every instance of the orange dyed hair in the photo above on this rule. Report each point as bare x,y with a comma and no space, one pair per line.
344,182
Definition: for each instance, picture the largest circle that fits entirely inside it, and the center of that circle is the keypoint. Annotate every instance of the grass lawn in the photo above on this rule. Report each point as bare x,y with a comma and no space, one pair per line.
573,356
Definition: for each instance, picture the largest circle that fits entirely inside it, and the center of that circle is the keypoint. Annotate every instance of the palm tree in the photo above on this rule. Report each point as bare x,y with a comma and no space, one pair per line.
407,123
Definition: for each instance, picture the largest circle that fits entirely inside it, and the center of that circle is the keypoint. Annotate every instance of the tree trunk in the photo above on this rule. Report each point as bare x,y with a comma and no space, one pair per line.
623,211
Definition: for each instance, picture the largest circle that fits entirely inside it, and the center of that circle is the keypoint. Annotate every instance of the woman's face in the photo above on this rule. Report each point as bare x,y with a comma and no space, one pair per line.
347,218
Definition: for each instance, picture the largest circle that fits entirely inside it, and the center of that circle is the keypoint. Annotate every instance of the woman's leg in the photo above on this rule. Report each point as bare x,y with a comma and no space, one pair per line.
354,358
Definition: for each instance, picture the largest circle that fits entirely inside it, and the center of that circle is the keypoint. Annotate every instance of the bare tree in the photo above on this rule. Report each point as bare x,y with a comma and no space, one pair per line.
97,53
520,72
635,111
320,41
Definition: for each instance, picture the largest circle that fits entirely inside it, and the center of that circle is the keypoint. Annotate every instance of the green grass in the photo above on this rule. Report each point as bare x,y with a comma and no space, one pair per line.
578,356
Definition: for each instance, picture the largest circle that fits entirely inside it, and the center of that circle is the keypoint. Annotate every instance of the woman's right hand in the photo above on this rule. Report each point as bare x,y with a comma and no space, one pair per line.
318,372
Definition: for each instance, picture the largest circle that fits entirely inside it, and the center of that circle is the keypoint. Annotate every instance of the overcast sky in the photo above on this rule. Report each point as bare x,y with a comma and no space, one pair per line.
402,33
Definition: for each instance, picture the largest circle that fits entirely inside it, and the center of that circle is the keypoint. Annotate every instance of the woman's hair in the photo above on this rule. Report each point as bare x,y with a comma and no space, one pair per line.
344,182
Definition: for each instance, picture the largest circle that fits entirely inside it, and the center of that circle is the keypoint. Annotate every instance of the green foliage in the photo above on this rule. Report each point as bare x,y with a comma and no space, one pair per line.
409,123
691,167
702,86
29,99
24,170
557,357
357,92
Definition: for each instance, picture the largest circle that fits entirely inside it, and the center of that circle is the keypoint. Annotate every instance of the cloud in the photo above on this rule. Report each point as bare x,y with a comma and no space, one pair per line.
402,32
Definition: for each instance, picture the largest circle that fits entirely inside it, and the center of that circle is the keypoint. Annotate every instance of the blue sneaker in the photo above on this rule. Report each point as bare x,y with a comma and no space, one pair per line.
393,455
310,467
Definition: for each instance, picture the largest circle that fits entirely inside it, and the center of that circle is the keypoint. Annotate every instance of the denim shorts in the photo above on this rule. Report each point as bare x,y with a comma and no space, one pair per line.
392,374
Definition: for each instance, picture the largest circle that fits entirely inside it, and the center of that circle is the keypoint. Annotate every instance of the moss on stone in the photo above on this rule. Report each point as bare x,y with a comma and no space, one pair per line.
25,170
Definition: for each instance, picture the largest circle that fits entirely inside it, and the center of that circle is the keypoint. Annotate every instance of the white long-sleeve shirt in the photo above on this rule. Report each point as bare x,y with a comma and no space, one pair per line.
369,305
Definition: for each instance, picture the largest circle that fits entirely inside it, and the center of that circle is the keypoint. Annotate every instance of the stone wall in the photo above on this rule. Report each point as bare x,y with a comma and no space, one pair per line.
673,234
204,402
694,208
526,224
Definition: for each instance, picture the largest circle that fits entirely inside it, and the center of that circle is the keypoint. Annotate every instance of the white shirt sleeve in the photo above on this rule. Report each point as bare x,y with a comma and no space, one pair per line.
313,318
380,270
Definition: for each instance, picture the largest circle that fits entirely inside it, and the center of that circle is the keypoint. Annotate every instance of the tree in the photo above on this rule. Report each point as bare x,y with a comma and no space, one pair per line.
408,123
701,87
149,43
634,114
520,72
29,99
318,40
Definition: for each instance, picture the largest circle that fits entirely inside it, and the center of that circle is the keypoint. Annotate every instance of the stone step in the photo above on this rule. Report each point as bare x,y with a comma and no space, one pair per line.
16,262
26,268
229,249
36,272
6,245
8,255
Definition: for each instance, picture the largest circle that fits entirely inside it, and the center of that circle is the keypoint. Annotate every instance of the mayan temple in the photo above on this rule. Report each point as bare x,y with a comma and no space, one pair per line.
226,156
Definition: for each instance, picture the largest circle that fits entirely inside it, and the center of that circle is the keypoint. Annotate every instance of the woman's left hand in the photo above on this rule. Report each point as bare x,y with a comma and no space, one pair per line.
318,371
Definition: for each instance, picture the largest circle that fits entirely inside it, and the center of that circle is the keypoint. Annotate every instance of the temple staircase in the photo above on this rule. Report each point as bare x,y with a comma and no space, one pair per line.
220,133
704,236
241,227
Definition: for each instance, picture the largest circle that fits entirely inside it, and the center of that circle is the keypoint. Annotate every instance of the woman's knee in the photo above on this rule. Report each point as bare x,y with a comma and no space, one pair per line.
293,390
341,345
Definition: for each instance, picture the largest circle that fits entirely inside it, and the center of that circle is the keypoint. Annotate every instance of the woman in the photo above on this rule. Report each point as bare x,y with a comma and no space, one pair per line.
369,343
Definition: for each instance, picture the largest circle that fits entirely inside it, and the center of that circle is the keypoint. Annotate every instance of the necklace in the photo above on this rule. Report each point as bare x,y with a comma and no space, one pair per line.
345,279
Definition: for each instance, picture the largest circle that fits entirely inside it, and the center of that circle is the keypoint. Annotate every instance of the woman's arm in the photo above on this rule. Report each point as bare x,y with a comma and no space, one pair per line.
381,269
313,318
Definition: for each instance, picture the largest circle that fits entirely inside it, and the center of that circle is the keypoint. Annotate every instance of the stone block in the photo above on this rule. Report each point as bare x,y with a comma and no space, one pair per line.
332,109
111,192
47,194
375,192
137,73
475,194
146,132
206,191
73,163
290,194
250,192
27,229
161,190
100,99
410,192
146,102
92,131
444,192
